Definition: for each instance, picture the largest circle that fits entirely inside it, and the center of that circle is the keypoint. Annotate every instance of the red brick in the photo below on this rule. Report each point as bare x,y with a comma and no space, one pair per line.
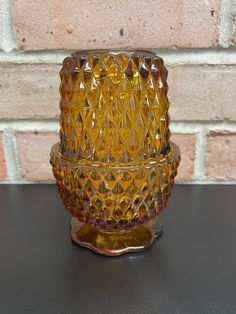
33,150
221,156
197,92
29,91
187,145
202,92
33,153
2,161
87,24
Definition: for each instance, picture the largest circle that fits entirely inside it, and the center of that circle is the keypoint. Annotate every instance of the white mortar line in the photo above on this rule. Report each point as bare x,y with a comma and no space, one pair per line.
9,146
175,126
195,127
199,163
171,56
226,25
7,39
53,56
30,125
197,182
198,56
206,181
21,181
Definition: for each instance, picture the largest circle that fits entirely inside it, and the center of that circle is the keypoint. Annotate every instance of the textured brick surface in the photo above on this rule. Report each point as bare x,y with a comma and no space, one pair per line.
221,156
29,91
199,92
187,145
2,161
33,151
196,92
234,32
98,23
234,38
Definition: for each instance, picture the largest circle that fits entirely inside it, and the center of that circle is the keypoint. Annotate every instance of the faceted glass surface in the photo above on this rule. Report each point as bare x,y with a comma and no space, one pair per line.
111,197
114,106
114,164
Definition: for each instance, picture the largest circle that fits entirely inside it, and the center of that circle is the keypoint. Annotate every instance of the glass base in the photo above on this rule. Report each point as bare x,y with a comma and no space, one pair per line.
118,242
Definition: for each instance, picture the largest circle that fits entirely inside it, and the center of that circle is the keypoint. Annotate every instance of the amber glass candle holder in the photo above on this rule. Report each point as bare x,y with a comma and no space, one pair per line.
114,165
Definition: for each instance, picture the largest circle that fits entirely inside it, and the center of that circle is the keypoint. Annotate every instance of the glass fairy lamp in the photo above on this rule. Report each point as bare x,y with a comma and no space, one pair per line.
114,165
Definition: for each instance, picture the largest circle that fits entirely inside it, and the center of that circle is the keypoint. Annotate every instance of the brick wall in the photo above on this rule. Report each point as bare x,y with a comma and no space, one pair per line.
197,39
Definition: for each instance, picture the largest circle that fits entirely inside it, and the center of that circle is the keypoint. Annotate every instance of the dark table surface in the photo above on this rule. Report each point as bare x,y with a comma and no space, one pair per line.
190,269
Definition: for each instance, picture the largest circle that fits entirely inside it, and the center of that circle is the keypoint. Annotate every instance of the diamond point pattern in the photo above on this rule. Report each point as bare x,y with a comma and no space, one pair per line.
104,92
111,197
114,165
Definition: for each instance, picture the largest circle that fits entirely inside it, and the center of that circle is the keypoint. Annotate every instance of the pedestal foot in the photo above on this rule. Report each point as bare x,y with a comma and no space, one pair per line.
115,242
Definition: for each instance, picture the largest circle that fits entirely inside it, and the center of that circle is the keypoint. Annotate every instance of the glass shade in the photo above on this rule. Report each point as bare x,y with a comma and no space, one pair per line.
114,165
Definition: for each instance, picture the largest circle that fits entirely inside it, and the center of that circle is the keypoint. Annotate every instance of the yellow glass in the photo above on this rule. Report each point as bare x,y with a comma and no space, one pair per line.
114,164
